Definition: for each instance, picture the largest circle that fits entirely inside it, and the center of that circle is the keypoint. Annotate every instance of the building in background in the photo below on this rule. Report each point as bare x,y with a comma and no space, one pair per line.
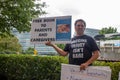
92,32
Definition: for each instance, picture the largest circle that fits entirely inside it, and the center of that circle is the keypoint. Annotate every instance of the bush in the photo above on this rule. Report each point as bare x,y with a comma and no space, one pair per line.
29,67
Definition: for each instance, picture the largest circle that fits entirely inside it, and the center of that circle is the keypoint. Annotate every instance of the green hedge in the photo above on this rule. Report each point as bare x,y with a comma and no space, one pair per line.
29,67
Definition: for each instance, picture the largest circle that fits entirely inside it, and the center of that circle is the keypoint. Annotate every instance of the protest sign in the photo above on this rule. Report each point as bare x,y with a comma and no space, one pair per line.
72,72
55,29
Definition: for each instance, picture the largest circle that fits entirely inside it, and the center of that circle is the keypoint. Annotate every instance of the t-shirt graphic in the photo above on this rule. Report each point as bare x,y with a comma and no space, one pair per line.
77,46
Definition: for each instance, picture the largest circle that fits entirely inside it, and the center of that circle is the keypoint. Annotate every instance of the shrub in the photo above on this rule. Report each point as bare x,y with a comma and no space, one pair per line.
29,67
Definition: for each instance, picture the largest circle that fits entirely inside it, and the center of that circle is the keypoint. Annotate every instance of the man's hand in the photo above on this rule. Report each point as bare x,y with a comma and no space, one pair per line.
83,66
48,43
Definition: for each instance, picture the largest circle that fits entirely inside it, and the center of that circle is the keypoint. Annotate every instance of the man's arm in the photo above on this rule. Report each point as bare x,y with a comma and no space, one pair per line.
91,60
59,50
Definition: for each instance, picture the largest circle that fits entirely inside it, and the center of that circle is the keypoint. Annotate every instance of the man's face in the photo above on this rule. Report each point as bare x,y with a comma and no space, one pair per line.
79,28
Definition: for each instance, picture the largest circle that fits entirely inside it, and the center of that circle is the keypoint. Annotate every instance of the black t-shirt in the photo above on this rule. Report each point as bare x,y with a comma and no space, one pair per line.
80,49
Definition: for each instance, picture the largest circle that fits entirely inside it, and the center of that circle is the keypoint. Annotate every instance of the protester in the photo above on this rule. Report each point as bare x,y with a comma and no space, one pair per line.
82,50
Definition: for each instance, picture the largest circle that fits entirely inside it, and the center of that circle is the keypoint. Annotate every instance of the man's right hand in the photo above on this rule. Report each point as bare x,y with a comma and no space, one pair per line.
48,43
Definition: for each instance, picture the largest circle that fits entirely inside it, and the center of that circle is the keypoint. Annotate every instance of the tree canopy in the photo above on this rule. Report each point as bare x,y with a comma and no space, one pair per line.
7,45
108,30
18,14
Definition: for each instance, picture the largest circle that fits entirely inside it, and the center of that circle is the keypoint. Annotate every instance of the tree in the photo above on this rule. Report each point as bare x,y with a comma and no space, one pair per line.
9,44
107,30
18,14
30,50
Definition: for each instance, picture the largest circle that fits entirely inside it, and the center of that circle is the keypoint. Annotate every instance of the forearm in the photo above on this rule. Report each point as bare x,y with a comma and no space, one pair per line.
59,50
93,58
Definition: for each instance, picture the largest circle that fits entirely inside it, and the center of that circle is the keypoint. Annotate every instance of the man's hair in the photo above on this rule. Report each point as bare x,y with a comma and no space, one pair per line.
81,20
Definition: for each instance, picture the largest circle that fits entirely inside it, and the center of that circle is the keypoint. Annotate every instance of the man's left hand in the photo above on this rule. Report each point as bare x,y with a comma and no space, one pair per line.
83,66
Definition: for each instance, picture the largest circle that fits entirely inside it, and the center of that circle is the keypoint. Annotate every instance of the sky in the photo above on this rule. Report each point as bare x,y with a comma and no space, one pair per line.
98,14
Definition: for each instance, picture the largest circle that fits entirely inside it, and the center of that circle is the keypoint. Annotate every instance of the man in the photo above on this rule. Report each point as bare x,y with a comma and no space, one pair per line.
82,50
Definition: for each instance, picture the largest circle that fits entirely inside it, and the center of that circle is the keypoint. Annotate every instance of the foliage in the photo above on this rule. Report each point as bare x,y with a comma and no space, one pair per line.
9,44
28,67
107,30
61,46
18,14
116,38
29,50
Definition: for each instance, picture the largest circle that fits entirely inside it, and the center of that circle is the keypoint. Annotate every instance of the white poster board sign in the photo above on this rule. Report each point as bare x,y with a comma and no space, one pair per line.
55,29
72,72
